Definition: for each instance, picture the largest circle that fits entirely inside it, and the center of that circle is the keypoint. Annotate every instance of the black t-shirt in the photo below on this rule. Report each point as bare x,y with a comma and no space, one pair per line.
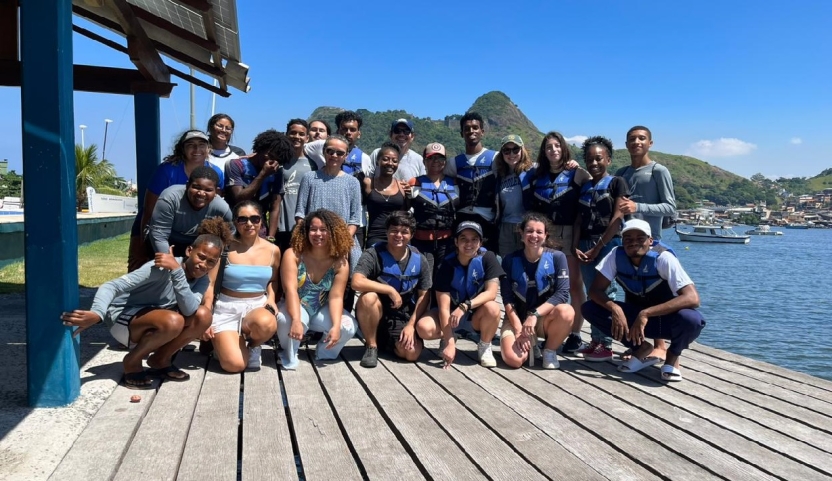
596,218
493,271
369,265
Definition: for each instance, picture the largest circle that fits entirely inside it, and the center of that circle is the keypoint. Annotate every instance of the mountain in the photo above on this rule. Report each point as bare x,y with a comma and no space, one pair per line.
694,180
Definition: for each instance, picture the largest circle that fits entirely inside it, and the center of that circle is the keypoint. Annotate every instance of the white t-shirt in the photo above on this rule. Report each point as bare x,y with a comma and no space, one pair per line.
410,165
667,265
315,151
221,157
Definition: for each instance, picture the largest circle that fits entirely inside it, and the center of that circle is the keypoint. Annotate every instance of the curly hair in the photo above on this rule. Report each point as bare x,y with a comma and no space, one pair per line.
597,140
347,116
215,231
532,216
178,154
275,144
340,240
470,115
213,121
522,166
543,167
204,172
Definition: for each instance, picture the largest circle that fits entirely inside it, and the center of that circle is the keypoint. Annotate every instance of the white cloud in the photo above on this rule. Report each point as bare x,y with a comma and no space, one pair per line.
722,147
576,139
796,140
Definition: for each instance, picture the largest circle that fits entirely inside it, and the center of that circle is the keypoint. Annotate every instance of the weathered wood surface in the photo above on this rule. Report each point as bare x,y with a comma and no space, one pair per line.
731,418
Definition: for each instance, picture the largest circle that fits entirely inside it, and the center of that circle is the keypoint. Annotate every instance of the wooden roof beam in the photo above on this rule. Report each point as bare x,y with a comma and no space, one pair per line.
140,48
8,29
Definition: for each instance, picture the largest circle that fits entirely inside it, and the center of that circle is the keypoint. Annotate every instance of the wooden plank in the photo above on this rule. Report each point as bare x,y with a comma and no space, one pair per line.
157,447
211,449
97,452
437,454
606,459
604,377
324,453
382,454
267,442
494,456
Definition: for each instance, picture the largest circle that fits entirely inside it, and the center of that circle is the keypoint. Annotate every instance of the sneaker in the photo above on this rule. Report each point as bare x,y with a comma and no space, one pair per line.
254,358
550,359
370,358
485,355
586,349
600,353
573,343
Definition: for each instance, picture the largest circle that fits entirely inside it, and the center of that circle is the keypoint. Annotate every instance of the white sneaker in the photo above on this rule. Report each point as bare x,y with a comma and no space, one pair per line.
485,355
253,358
550,359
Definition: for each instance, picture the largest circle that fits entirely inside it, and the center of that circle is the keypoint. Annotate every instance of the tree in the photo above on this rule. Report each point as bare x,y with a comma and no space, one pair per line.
91,172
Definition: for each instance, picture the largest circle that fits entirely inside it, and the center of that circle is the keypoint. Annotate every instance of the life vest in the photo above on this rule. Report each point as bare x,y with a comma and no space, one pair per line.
434,207
643,286
478,182
352,165
557,198
591,195
391,274
544,282
468,281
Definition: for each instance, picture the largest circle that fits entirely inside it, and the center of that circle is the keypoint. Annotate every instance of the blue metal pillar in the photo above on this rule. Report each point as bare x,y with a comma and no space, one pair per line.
50,224
148,138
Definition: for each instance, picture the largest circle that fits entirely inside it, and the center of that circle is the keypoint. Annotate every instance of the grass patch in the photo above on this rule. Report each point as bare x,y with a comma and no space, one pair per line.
98,262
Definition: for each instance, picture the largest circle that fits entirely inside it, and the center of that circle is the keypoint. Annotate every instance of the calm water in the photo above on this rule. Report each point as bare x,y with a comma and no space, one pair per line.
769,300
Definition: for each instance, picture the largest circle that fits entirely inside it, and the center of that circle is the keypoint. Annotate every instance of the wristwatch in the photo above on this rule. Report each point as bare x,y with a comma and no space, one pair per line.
270,239
536,314
467,305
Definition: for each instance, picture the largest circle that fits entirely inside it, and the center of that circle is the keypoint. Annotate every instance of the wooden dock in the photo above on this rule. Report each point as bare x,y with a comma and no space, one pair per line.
732,418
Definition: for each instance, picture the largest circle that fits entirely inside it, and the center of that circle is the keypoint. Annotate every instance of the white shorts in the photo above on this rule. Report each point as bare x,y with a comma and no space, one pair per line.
229,312
121,324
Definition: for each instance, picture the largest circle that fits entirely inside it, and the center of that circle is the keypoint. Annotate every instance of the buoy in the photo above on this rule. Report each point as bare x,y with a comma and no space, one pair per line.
687,248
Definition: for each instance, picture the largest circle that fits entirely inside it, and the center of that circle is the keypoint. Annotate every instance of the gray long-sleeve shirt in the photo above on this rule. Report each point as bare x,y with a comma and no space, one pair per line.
149,286
175,222
651,188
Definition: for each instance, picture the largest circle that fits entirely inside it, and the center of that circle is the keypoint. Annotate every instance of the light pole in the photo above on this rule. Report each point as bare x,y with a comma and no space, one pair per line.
104,148
82,127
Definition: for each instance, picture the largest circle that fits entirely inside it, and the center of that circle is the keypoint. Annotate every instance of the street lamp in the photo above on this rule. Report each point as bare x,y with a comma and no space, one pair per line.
107,123
82,127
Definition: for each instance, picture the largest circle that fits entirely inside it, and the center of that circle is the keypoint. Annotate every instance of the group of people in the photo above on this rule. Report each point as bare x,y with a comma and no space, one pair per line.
399,248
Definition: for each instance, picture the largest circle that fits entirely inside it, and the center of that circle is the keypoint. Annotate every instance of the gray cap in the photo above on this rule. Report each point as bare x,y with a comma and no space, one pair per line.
469,225
196,134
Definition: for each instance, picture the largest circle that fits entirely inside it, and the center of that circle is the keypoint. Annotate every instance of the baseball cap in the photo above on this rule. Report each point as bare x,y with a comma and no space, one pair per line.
402,121
637,224
469,225
512,138
196,134
434,148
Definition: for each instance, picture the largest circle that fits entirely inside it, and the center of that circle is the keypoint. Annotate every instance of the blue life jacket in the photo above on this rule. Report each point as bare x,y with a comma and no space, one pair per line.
434,207
544,282
557,199
352,165
391,274
467,281
478,182
643,286
591,195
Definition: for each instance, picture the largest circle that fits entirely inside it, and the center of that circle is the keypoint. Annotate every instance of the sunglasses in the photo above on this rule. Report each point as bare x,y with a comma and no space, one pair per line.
255,219
335,153
510,150
402,131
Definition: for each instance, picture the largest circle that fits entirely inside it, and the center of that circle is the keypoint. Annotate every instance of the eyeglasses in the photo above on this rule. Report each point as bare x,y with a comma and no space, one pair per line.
255,219
402,131
510,150
335,153
224,128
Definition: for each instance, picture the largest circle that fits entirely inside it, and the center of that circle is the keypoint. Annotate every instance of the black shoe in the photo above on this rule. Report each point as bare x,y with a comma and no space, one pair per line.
370,358
572,344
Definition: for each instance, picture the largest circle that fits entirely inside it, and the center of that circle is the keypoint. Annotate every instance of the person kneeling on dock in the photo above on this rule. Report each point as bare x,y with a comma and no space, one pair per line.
660,300
466,292
393,279
155,310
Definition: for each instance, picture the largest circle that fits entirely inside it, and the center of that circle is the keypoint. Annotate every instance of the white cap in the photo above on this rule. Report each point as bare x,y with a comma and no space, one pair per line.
637,224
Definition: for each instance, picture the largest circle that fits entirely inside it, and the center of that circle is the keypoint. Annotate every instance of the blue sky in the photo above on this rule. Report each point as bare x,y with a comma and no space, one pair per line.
740,85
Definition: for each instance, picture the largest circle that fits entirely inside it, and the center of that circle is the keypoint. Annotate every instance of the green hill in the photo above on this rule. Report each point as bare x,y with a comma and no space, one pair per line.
821,181
694,179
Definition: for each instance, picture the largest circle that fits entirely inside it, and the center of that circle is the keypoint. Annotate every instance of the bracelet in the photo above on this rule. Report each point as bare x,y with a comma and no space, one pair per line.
270,239
468,305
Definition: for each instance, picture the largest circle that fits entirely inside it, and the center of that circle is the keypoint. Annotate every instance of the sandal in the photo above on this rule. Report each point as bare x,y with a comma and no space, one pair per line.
170,373
626,355
671,374
635,364
138,380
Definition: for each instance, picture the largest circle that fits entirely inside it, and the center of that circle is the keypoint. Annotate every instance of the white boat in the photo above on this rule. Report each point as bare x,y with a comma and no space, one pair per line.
763,230
713,233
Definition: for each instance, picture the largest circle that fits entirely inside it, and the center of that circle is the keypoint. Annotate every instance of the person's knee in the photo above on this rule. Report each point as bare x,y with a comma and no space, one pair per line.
590,311
233,366
513,362
690,321
170,322
492,310
368,305
411,355
201,319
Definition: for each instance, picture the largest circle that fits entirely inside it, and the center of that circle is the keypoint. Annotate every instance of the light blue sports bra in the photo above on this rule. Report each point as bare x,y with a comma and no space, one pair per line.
247,278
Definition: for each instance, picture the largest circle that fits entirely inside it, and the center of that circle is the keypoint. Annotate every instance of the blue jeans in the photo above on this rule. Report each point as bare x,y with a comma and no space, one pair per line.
588,272
320,322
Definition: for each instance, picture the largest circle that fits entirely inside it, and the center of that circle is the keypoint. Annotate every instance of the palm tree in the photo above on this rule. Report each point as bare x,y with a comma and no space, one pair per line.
91,172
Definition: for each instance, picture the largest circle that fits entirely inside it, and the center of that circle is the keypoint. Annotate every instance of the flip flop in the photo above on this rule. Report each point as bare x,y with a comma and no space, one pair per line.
635,364
626,355
171,373
671,374
138,380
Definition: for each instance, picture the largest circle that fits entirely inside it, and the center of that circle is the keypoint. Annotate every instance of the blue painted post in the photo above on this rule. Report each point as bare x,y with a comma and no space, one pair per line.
51,231
147,115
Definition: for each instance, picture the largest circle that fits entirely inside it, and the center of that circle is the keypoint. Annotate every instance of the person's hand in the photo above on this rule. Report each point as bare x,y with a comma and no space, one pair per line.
626,206
208,334
395,299
529,326
166,260
571,165
406,337
619,323
333,337
579,254
269,167
80,319
636,334
449,353
296,331
406,188
592,253
456,317
522,343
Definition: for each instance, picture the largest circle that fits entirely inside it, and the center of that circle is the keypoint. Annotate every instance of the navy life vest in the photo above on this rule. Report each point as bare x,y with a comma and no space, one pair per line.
557,198
478,182
434,207
544,282
391,274
352,165
643,286
591,195
467,281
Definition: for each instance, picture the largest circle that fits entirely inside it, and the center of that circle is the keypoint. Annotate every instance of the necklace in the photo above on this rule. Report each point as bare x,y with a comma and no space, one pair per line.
381,192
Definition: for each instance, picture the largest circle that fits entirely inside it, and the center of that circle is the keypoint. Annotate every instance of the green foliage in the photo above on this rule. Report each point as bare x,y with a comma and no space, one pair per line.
11,185
821,181
91,172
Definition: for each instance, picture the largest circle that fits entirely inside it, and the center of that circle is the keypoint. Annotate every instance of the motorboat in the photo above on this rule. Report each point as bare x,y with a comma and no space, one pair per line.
763,230
712,233
797,226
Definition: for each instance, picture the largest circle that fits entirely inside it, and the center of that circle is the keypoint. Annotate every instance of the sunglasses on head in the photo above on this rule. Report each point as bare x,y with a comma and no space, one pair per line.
243,219
510,150
335,153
